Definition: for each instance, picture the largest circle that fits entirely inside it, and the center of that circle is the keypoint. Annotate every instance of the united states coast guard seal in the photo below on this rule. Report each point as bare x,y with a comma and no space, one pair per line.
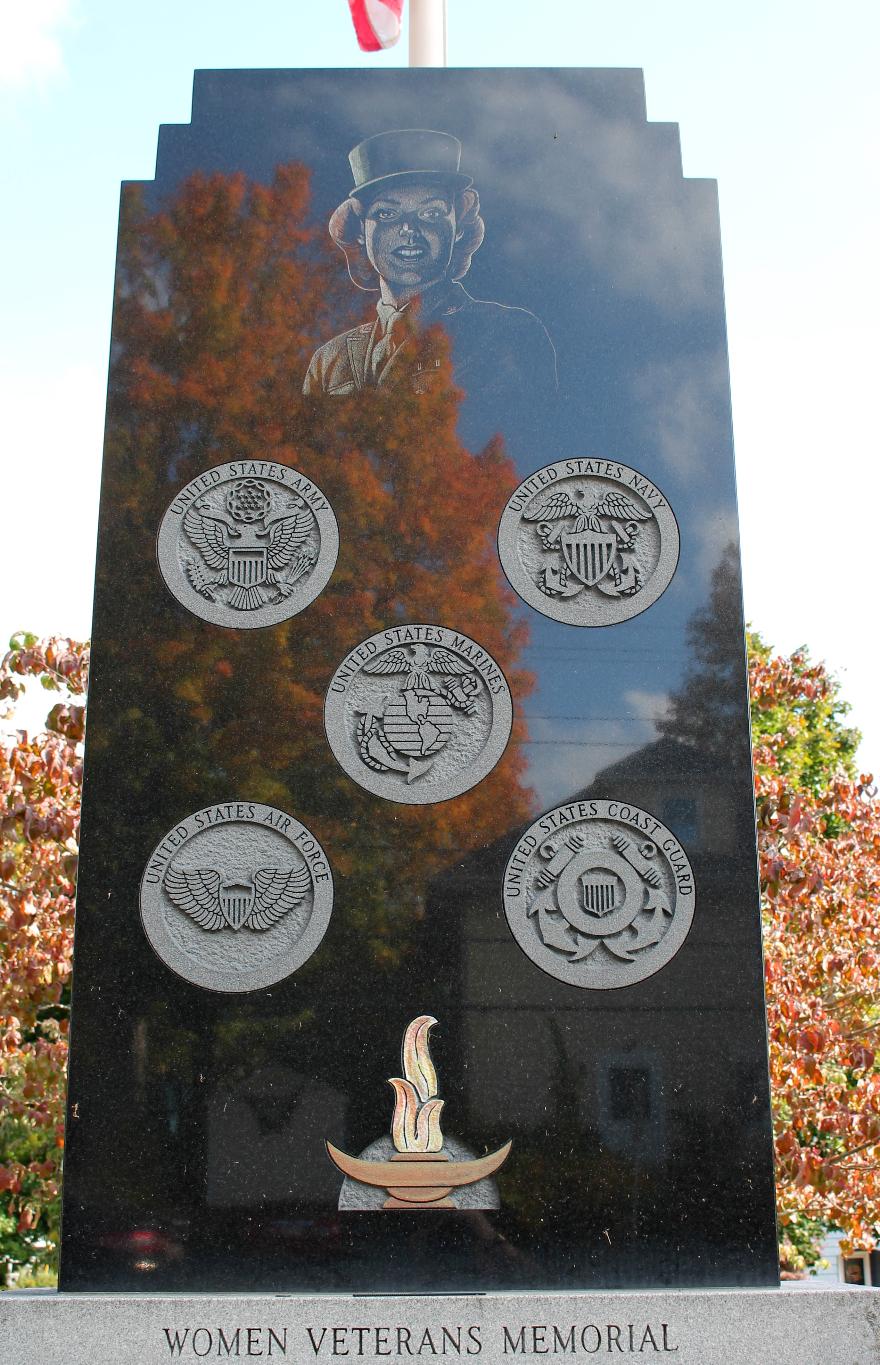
236,896
247,544
599,894
588,542
418,713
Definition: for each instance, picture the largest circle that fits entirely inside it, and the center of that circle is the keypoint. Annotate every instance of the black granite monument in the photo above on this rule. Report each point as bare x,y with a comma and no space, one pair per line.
418,743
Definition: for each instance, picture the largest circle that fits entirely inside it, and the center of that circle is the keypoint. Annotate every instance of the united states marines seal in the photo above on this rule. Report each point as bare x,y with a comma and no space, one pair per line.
236,896
599,894
246,544
418,713
588,542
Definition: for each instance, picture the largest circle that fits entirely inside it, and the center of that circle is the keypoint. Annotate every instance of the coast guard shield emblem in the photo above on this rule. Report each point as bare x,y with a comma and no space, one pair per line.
599,894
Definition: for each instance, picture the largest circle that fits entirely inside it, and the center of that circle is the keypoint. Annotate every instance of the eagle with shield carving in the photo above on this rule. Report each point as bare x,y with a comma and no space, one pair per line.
258,902
593,549
256,561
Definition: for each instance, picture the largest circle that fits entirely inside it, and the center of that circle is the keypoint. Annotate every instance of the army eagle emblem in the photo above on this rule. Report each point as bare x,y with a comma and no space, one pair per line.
247,560
256,903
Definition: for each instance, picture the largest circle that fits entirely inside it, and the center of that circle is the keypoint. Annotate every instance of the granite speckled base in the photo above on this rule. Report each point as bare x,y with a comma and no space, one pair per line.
797,1326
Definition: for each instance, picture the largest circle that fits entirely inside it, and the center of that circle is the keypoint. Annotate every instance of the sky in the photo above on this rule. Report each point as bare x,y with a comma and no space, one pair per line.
778,101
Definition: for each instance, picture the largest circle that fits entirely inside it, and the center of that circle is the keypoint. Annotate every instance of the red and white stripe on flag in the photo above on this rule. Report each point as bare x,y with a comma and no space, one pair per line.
376,23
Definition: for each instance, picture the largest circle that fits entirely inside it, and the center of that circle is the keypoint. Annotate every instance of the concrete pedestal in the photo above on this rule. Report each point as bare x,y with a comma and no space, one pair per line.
788,1326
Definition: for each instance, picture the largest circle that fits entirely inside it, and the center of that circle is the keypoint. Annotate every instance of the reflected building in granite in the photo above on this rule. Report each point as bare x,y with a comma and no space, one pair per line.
657,1092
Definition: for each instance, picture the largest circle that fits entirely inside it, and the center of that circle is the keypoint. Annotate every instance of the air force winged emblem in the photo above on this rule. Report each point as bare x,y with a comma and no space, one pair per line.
595,549
412,725
254,560
238,903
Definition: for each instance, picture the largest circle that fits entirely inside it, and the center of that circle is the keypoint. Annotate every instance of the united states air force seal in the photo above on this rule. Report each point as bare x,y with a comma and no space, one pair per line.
588,542
236,896
247,544
418,713
599,894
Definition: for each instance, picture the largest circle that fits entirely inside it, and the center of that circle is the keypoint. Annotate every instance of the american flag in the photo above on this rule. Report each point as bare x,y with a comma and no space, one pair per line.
376,23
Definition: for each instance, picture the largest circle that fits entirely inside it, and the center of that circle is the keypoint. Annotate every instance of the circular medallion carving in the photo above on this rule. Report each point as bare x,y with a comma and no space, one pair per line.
588,542
418,714
246,544
237,896
599,894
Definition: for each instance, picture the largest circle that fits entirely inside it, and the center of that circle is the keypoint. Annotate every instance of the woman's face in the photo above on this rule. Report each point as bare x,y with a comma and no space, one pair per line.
409,233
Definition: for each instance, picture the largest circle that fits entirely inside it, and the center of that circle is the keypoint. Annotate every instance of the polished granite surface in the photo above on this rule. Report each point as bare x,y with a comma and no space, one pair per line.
638,1115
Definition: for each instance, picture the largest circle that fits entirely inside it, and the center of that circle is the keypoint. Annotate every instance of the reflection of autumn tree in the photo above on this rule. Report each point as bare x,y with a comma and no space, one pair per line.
223,295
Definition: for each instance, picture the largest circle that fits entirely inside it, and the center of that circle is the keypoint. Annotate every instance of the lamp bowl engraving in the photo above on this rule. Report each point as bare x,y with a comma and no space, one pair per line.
588,542
236,896
418,714
246,544
418,1167
599,894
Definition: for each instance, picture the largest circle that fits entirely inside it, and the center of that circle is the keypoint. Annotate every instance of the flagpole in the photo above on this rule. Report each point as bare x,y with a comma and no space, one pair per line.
427,32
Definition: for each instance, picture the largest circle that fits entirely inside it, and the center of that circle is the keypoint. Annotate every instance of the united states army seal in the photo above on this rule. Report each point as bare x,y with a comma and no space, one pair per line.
236,896
588,542
599,894
247,544
418,713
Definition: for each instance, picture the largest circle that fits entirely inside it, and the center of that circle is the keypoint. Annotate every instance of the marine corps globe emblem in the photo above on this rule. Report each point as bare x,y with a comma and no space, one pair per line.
249,543
236,896
588,542
599,894
418,713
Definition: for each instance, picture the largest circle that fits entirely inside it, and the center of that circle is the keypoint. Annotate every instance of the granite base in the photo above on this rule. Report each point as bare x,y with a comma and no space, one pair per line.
788,1326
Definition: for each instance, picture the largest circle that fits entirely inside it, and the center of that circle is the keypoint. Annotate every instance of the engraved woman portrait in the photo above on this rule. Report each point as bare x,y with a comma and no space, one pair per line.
409,230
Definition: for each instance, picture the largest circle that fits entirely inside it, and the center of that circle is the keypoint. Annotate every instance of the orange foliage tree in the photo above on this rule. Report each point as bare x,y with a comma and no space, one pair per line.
40,781
819,845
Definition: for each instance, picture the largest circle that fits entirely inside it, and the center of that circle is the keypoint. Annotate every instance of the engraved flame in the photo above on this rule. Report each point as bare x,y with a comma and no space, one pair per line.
415,1126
